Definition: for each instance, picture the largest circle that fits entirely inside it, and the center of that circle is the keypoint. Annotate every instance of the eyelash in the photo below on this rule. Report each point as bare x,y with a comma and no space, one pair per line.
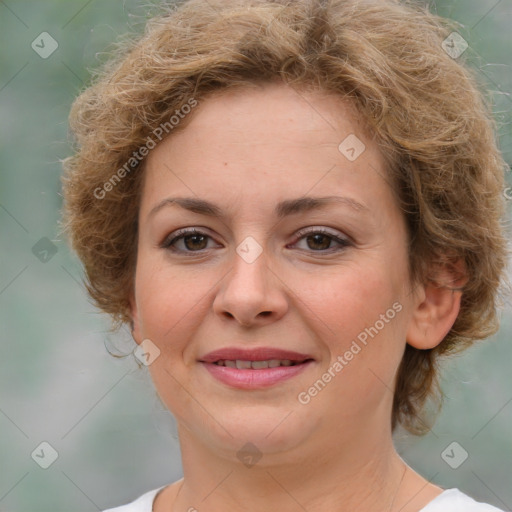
182,233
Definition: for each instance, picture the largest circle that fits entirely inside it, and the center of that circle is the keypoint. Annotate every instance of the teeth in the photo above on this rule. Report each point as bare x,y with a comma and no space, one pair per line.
255,365
259,364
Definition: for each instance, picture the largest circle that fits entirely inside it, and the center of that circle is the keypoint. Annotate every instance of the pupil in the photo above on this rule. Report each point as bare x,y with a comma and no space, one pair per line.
326,239
195,237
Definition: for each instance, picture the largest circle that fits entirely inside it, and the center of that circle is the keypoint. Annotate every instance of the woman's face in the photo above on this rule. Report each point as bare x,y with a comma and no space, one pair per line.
266,275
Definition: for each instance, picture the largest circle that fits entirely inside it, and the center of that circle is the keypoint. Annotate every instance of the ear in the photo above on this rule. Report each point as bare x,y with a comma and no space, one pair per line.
437,306
135,323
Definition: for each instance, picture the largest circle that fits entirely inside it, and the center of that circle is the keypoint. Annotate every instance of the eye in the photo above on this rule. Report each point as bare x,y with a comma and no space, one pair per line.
193,240
319,240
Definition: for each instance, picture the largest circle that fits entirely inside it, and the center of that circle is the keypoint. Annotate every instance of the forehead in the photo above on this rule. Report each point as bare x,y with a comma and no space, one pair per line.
264,141
249,111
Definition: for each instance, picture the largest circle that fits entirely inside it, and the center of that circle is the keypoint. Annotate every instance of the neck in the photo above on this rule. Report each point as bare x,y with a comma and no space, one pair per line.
362,474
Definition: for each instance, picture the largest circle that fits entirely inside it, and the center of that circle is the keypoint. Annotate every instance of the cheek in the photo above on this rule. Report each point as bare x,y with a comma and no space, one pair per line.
168,302
362,315
169,305
350,299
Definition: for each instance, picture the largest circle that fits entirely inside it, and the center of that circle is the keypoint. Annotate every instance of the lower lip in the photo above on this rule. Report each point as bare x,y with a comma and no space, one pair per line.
254,379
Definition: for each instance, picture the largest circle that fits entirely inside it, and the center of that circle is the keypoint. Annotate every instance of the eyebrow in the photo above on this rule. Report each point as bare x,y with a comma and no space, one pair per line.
281,210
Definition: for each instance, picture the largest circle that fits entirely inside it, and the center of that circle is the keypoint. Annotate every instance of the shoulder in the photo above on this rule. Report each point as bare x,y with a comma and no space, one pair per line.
453,500
143,503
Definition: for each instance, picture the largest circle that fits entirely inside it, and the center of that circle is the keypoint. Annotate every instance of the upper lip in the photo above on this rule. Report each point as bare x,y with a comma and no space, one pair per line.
255,354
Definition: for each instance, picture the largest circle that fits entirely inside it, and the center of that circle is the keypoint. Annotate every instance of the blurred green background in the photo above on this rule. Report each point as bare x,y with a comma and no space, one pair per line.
58,383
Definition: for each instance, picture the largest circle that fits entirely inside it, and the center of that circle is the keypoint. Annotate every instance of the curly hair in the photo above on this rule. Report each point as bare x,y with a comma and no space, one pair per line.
423,107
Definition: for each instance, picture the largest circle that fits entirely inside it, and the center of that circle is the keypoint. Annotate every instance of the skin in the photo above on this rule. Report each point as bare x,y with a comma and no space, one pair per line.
246,150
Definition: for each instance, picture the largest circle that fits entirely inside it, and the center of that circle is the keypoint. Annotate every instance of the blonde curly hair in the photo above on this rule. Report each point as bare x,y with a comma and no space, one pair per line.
423,107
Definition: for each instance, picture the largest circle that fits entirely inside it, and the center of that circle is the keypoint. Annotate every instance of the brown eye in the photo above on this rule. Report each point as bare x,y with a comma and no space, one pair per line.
319,240
193,241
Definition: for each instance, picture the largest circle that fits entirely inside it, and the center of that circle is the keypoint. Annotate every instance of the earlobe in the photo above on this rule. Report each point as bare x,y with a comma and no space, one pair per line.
436,309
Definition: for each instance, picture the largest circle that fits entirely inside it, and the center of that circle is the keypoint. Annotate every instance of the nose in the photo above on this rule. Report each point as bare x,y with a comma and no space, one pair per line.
251,293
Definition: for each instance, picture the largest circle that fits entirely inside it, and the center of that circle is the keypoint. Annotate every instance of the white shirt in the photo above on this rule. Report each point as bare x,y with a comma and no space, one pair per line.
450,500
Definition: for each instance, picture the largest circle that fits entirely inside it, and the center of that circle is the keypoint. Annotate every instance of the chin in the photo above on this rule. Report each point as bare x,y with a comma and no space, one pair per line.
270,429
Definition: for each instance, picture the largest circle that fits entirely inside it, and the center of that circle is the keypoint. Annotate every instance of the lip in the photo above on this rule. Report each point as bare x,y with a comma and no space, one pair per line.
250,378
255,354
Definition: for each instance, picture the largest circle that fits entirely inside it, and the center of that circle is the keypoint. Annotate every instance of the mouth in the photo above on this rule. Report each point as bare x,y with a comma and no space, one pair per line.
254,369
257,365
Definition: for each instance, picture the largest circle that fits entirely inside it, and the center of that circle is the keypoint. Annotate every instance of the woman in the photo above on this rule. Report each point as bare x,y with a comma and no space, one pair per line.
296,206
